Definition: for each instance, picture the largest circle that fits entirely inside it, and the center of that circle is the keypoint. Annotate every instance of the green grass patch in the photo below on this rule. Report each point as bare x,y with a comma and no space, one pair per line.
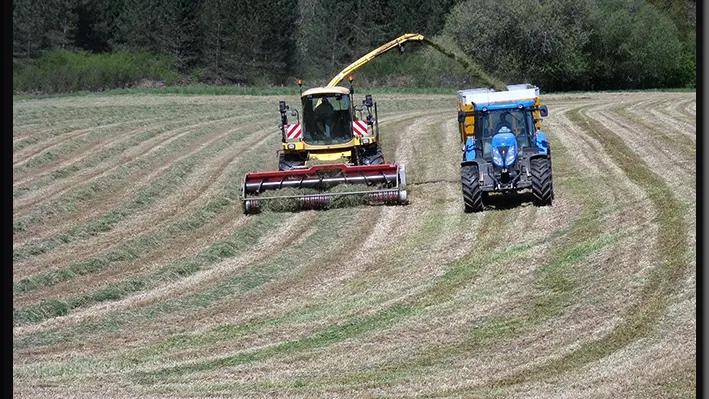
677,142
251,278
106,222
353,328
164,184
242,240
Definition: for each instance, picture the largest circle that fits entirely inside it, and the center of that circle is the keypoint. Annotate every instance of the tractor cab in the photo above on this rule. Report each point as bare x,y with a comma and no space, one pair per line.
516,122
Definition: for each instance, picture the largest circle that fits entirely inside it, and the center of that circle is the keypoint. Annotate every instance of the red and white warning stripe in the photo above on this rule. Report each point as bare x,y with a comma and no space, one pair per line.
359,128
293,131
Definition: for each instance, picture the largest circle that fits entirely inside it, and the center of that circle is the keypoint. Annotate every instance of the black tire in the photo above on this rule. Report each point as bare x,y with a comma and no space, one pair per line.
286,162
551,172
472,194
542,188
372,156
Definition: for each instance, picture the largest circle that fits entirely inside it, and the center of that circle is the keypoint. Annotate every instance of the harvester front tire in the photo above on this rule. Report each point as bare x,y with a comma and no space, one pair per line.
288,163
370,157
542,188
472,194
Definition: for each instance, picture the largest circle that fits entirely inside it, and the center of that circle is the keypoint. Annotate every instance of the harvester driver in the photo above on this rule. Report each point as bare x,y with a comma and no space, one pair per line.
324,117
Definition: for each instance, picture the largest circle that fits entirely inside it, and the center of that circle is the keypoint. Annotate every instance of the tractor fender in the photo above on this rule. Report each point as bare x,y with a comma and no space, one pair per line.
540,140
538,155
469,149
472,162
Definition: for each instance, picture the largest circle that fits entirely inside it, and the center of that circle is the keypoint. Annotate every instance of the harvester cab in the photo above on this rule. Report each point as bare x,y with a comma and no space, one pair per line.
504,149
333,130
331,151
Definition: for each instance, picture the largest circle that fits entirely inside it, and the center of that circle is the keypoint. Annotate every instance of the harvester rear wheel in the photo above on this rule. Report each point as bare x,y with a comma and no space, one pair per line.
542,188
472,194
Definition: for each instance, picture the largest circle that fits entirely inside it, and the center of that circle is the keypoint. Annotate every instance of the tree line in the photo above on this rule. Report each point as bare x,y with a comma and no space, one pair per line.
558,44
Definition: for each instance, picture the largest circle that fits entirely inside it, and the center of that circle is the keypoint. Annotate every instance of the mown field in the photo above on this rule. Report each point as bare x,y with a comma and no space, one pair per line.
135,273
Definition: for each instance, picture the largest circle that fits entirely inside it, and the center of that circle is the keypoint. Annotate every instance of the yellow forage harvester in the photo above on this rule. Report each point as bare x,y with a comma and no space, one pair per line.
333,155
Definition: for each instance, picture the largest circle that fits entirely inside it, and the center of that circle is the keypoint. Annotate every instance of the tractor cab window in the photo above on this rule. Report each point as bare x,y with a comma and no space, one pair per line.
515,121
327,119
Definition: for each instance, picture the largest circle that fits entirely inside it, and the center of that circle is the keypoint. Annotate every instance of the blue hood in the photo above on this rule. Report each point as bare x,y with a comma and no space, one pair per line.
504,149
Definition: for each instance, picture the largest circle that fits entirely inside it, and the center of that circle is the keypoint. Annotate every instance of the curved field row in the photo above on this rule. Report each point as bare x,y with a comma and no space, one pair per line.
181,295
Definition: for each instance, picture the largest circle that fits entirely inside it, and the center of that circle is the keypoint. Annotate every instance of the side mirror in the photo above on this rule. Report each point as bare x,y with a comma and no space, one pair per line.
368,102
543,111
461,116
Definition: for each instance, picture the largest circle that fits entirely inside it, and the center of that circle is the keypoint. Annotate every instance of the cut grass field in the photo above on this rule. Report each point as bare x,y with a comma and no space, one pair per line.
136,274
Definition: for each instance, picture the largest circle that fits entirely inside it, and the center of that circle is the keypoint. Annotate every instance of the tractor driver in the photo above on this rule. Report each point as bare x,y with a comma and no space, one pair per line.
503,122
324,117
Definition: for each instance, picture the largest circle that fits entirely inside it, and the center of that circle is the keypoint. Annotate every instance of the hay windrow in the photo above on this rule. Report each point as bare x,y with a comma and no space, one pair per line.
337,196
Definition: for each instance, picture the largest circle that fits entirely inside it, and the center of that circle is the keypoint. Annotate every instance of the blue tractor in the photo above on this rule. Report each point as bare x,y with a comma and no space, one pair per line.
504,149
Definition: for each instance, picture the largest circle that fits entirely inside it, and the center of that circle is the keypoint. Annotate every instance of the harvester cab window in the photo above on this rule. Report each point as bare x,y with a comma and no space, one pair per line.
327,120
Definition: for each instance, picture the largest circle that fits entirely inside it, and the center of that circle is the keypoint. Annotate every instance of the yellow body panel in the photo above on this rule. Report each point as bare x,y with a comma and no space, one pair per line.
329,156
303,146
467,128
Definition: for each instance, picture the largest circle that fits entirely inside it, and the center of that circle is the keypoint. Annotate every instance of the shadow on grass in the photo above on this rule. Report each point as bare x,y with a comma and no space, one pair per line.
511,200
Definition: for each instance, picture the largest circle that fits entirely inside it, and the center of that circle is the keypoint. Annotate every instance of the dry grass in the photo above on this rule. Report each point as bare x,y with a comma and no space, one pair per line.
135,273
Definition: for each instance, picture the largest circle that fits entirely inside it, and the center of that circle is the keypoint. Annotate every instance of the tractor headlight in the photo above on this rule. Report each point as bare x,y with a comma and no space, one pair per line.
496,157
510,158
291,146
365,141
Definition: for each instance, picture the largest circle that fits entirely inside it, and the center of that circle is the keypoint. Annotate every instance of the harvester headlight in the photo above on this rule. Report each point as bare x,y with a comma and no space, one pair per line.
496,157
510,158
365,141
291,146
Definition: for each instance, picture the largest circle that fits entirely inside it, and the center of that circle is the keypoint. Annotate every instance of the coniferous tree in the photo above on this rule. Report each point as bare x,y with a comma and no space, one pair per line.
178,31
137,25
96,24
264,41
39,26
218,38
28,21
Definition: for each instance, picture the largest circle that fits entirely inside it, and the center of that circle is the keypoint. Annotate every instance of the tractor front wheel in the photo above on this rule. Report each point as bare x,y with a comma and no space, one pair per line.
542,188
472,194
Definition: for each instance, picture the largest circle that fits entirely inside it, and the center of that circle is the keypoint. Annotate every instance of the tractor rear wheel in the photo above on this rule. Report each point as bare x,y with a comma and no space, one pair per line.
472,194
542,188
